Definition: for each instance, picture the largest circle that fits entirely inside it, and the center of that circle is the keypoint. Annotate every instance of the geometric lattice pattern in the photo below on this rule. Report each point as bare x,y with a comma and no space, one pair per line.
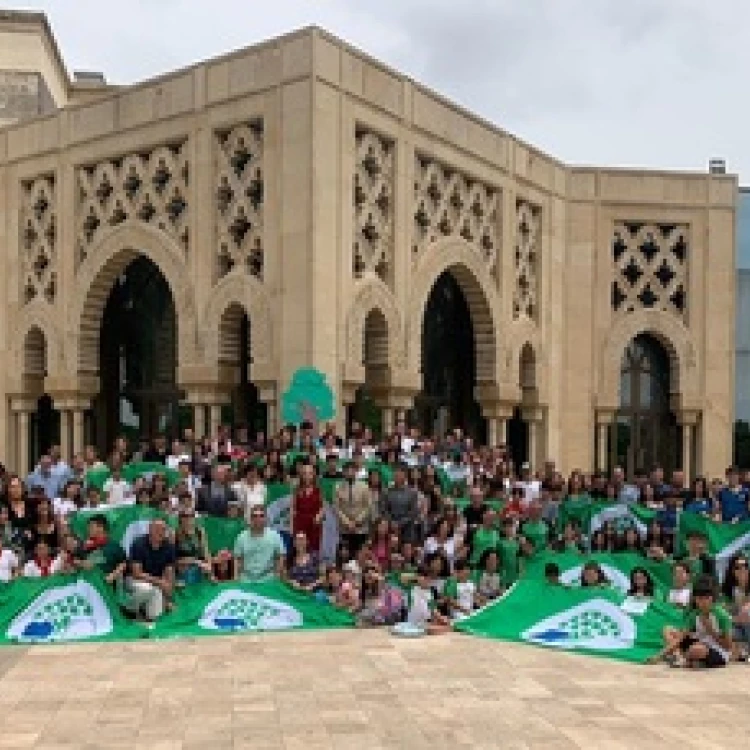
148,186
526,260
590,624
239,198
448,203
373,205
249,611
38,224
62,612
650,263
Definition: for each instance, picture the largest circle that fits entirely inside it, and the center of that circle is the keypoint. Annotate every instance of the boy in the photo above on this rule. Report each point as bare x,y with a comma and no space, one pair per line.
460,591
509,549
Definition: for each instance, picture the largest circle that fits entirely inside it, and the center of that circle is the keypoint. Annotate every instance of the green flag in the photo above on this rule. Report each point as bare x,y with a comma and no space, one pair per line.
724,539
621,516
126,523
210,609
62,608
600,622
617,567
130,472
279,506
221,533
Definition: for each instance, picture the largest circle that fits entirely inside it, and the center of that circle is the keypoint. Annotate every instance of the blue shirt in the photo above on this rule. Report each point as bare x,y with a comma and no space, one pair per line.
699,505
51,483
733,504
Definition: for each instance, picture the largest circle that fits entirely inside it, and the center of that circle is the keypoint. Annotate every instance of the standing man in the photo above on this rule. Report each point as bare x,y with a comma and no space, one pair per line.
354,510
152,564
258,551
215,497
401,505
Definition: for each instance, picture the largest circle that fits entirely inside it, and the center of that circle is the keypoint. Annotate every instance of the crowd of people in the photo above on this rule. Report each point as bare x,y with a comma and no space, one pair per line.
427,530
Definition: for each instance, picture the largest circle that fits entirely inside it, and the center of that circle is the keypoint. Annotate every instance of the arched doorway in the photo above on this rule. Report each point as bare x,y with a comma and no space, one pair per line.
137,358
245,411
646,432
44,424
449,362
365,409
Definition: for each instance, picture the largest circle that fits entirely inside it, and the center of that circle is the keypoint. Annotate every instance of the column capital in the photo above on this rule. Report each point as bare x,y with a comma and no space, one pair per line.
688,417
532,414
22,404
205,395
497,409
605,417
71,400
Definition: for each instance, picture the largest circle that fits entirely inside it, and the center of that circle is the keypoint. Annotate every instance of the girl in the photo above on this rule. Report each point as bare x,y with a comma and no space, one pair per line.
592,576
302,565
631,541
641,584
380,543
706,640
570,539
658,545
736,590
43,528
509,549
489,585
422,613
680,593
598,542
42,564
442,540
191,546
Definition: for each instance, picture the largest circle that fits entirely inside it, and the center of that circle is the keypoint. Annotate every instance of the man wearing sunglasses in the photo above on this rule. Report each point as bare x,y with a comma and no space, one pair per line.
259,550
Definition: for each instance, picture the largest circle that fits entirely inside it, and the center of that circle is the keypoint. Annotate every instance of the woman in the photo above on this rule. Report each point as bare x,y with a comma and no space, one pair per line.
641,584
736,590
19,512
380,543
303,570
631,541
443,541
700,500
658,545
375,485
70,500
307,508
43,529
191,546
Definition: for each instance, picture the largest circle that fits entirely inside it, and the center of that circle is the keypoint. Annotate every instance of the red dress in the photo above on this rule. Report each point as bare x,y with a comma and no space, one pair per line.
308,502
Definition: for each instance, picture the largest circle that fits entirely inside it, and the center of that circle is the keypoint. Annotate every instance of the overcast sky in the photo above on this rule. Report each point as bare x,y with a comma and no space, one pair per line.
657,83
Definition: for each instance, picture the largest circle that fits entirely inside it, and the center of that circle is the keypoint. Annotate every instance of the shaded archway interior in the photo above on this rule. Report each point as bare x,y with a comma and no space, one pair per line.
645,432
44,425
449,362
245,410
137,358
365,409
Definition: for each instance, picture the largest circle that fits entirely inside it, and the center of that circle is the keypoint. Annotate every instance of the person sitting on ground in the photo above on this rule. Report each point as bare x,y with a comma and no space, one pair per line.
460,591
422,613
736,591
152,572
191,546
705,639
42,564
99,551
490,582
259,551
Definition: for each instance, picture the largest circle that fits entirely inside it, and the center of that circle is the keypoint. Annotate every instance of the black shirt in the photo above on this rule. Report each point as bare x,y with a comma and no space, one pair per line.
153,561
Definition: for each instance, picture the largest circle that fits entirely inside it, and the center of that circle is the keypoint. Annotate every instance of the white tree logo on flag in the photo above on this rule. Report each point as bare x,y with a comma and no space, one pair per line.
237,610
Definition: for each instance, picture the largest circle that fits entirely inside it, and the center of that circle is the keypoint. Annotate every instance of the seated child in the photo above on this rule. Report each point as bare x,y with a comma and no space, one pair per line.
461,591
489,585
681,590
422,612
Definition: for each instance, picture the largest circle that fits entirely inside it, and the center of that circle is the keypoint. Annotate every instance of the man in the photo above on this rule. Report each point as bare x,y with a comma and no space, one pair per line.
215,497
178,455
332,467
60,466
733,498
152,567
250,491
45,479
157,453
99,551
531,485
117,490
188,479
354,511
626,493
401,505
258,551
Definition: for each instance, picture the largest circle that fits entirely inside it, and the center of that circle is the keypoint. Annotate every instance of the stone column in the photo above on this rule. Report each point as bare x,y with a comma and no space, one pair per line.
533,444
22,436
602,429
78,436
492,431
272,422
502,431
688,420
65,428
388,420
199,421
215,419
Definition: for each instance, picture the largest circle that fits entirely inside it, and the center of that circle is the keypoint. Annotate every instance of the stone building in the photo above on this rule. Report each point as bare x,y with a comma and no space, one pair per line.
176,249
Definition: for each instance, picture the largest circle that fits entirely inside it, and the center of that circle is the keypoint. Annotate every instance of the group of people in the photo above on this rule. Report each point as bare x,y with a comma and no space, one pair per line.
427,530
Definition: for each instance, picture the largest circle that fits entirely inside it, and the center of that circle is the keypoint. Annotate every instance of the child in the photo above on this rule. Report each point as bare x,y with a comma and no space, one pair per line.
485,537
42,564
8,563
706,639
509,550
552,574
680,593
570,539
422,613
736,590
460,592
347,593
593,576
641,584
490,584
224,566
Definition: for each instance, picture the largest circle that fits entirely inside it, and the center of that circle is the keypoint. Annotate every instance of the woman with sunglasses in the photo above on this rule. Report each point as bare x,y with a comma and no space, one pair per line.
736,590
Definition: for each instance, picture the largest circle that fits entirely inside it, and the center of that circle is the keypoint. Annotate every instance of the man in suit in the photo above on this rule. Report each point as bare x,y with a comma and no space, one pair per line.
354,510
215,497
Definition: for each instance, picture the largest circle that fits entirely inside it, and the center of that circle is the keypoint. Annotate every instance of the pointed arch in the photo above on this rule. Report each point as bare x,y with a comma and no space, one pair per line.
461,261
37,330
97,275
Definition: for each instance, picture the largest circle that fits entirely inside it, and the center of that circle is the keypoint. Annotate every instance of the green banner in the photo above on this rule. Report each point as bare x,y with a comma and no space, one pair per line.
126,523
617,567
131,472
590,516
213,609
596,621
62,608
724,539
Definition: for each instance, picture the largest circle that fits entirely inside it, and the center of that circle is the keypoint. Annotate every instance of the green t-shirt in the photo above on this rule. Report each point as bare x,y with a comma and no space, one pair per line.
483,540
259,553
537,532
508,548
106,558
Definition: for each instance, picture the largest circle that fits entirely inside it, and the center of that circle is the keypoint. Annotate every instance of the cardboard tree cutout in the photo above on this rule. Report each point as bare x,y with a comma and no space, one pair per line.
309,398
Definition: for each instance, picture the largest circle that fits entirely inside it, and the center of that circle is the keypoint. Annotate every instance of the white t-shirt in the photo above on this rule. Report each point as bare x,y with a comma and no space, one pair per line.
62,506
250,496
32,570
681,597
8,563
465,599
419,611
448,548
531,490
174,461
116,491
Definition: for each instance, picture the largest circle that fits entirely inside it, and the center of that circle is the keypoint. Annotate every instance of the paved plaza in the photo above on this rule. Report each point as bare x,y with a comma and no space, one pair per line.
357,689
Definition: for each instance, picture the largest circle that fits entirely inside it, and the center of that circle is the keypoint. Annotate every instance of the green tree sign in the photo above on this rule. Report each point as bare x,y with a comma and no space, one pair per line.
309,398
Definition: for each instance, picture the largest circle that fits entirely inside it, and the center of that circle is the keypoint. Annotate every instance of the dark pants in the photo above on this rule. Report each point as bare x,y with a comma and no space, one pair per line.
355,542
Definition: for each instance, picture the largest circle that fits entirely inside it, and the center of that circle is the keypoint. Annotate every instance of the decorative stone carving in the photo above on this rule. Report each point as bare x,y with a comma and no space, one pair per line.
449,203
649,267
373,205
239,199
38,223
148,186
526,261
